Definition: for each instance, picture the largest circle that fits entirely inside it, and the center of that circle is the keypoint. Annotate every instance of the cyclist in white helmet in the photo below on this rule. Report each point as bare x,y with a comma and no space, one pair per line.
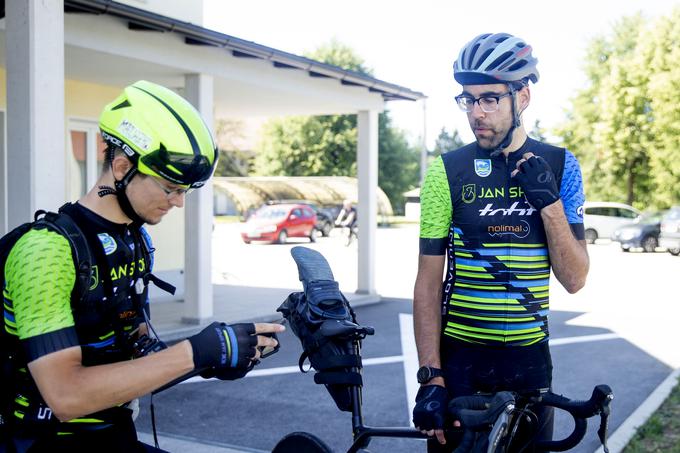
496,216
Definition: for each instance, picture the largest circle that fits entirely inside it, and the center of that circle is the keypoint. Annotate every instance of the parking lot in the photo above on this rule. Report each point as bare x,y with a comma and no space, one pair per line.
620,330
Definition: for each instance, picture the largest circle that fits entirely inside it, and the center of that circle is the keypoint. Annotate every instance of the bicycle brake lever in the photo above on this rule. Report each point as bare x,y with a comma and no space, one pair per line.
602,431
605,410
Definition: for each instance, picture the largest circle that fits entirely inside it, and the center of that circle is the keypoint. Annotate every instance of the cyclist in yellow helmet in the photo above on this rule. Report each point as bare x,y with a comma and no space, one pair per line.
71,370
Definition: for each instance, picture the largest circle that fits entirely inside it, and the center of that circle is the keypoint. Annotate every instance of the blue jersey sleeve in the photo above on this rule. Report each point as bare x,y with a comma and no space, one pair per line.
571,192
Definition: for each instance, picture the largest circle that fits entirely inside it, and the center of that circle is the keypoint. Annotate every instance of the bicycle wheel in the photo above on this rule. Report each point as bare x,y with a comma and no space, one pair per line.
301,442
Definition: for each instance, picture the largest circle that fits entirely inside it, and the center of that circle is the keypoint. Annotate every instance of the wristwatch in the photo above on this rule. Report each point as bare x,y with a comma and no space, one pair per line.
427,373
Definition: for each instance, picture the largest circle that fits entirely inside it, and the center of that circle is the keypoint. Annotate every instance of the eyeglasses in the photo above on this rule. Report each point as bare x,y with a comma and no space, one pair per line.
169,193
487,103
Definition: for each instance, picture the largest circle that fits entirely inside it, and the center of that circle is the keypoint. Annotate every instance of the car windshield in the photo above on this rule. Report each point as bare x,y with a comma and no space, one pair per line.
270,212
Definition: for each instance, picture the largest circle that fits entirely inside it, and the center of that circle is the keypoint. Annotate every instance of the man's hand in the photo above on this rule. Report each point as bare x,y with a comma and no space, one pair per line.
430,409
230,351
537,180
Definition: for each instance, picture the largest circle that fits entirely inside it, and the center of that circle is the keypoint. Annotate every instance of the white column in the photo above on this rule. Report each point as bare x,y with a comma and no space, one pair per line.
198,218
367,210
36,159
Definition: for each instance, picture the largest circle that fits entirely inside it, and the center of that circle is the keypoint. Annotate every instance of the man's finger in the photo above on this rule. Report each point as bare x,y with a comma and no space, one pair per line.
514,172
266,341
440,436
266,327
526,156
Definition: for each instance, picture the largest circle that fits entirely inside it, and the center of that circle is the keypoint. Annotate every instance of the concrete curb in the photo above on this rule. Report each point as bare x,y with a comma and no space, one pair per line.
618,441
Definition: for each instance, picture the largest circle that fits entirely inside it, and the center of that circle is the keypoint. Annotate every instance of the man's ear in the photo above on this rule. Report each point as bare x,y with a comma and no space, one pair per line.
523,99
120,166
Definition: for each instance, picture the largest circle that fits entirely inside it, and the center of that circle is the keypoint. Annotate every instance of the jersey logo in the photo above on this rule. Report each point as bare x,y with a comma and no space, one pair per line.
483,167
579,211
469,193
94,277
520,231
513,209
108,243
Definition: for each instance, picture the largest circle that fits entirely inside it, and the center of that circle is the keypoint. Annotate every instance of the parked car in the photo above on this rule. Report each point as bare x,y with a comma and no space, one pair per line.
670,231
324,219
643,233
276,223
602,218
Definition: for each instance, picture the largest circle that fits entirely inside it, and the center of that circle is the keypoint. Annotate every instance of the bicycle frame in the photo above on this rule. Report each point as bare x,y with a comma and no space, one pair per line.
362,433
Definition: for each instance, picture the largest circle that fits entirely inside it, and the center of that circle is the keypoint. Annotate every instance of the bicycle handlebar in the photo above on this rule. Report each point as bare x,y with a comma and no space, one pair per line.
480,412
580,411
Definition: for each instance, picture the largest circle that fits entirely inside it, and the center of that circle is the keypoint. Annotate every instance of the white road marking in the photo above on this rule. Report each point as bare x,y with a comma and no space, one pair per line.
409,357
583,339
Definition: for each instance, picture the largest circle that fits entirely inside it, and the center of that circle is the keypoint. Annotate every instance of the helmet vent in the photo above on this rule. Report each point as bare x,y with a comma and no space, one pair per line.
498,61
471,57
122,105
519,65
482,58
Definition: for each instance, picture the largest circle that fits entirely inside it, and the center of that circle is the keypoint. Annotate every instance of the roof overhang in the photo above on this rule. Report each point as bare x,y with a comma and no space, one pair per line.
110,43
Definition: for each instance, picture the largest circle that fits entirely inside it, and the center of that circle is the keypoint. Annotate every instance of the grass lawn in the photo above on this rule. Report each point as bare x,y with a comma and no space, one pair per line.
661,433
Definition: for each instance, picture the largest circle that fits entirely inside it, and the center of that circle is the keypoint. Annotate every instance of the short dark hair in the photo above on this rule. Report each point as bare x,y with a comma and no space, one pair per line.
110,153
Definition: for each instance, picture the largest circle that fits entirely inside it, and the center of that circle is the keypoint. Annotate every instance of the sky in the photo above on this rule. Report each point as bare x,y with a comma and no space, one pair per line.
414,44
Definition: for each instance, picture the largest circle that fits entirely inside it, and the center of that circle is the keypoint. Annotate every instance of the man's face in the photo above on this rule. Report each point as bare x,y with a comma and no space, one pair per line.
150,200
489,128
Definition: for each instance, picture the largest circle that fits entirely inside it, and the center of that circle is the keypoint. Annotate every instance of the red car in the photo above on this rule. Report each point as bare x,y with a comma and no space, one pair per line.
276,223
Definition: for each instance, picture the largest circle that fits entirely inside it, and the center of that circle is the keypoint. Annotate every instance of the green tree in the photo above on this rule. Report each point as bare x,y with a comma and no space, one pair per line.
660,59
446,142
232,160
398,163
537,132
608,125
327,145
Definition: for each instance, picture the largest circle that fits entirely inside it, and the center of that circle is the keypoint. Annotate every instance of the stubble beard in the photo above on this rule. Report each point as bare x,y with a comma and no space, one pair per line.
493,141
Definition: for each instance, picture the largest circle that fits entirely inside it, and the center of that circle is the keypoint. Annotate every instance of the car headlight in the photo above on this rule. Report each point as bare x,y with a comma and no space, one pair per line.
627,235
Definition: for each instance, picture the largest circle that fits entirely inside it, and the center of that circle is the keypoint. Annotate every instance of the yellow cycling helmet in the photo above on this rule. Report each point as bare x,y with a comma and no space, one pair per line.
162,133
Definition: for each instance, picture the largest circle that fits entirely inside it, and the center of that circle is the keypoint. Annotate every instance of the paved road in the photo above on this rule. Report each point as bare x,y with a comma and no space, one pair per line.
625,315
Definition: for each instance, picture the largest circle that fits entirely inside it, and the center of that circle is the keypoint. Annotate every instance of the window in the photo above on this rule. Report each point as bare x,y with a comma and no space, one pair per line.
86,156
626,213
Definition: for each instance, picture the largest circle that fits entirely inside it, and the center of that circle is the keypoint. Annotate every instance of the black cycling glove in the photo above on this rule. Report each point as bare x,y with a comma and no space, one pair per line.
538,182
430,408
225,347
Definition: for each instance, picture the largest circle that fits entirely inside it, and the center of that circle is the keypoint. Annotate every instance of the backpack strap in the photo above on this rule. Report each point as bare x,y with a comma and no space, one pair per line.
64,224
148,258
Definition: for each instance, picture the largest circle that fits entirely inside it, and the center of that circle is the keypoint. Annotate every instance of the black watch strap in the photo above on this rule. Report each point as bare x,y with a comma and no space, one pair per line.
427,373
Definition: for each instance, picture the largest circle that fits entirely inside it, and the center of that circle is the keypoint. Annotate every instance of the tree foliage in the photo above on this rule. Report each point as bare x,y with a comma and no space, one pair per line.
446,142
327,145
624,125
232,160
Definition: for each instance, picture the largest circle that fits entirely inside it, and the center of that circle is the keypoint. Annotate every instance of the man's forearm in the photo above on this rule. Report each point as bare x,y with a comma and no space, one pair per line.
427,324
73,390
568,256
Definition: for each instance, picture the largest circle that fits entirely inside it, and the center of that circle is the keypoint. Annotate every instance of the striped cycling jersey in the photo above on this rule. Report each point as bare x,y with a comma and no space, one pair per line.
497,277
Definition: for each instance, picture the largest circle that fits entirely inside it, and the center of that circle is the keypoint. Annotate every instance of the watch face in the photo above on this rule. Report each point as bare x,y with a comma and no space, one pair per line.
423,375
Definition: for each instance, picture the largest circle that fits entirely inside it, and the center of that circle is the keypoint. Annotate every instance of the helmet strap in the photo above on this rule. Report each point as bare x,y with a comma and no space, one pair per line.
123,199
515,124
